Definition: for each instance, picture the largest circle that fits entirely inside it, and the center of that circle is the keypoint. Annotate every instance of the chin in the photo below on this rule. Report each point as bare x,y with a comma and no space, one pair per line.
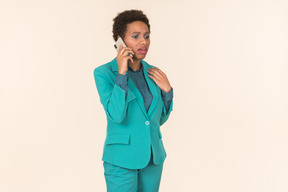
141,57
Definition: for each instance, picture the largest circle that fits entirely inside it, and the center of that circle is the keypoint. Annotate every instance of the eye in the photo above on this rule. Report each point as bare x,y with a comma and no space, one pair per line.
135,36
147,37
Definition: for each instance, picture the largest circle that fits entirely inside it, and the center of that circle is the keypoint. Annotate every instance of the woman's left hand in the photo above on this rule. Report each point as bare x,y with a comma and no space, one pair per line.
160,78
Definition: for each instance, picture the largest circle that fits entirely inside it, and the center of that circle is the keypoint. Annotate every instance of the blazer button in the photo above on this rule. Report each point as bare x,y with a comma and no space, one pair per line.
146,122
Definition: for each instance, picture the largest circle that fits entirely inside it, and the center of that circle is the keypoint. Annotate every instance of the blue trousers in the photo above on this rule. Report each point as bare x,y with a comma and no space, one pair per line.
119,179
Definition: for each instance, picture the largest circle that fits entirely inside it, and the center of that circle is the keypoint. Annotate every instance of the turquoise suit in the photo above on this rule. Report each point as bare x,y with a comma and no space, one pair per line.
131,131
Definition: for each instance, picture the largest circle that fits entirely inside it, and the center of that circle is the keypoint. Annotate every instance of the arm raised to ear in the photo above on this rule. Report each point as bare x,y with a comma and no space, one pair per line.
113,98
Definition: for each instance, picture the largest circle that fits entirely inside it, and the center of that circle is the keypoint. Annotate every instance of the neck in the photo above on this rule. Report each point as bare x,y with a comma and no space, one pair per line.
136,65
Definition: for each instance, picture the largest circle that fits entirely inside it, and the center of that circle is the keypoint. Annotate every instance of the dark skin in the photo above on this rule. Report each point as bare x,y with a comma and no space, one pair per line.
136,37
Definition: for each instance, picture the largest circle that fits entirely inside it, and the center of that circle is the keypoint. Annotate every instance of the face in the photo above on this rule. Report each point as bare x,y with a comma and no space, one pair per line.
137,37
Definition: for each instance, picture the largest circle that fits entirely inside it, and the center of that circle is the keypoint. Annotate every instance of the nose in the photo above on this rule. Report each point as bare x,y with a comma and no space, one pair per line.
143,41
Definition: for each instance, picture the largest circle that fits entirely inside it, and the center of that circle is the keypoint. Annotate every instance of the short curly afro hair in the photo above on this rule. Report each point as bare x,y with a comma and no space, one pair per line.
126,17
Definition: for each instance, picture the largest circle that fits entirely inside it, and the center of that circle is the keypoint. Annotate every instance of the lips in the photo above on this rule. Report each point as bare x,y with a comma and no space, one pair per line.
143,50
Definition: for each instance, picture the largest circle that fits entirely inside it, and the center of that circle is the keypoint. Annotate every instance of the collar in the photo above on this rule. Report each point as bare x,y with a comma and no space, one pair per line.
139,70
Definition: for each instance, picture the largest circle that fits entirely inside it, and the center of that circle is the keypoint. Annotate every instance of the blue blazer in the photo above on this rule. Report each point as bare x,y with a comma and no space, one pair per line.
131,131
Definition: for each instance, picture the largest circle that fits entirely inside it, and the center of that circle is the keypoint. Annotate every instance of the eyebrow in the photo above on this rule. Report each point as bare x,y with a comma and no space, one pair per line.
140,32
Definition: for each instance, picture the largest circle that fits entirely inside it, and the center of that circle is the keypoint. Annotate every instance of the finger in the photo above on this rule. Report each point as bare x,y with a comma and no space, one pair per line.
120,47
121,52
153,78
129,58
155,73
159,70
124,47
125,51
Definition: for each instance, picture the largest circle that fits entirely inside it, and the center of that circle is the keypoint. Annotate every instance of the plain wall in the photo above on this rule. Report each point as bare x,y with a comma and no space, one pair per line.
226,60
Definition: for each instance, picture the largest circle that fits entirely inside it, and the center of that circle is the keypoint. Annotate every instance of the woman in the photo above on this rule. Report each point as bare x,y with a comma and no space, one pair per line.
137,99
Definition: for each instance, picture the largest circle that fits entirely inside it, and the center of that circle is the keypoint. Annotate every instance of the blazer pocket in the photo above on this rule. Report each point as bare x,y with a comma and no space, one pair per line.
117,139
160,135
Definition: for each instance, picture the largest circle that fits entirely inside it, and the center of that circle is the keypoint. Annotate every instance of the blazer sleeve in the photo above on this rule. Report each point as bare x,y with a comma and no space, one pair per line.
166,113
112,96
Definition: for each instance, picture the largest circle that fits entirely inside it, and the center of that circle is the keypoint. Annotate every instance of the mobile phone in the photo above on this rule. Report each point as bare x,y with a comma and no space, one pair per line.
117,45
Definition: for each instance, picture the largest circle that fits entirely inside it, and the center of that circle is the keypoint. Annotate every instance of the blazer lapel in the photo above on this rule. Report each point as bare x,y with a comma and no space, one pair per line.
132,87
152,86
138,95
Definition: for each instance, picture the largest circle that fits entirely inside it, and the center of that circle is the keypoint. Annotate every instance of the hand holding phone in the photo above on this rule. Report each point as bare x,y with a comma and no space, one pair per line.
125,54
117,45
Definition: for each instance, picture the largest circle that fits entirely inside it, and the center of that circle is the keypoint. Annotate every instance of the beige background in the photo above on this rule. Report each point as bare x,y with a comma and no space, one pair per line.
227,62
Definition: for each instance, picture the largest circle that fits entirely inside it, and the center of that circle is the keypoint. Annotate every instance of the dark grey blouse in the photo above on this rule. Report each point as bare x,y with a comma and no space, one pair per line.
139,80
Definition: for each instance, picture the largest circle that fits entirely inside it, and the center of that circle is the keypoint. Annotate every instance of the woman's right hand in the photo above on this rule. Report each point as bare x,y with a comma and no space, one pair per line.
123,58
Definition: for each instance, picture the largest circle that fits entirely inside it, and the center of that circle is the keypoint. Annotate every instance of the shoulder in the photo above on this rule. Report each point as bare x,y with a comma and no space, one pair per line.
104,68
147,64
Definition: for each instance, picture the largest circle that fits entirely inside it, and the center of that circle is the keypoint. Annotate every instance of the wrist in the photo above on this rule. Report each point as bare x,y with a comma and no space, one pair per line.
122,72
167,90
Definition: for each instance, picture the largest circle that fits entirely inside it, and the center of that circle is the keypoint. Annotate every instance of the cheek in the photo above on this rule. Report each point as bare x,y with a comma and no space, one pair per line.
128,42
148,43
131,45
